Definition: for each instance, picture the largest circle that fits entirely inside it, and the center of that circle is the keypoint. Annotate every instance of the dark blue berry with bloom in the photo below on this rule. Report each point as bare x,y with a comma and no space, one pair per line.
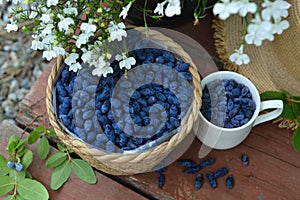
19,167
230,182
199,181
245,159
11,165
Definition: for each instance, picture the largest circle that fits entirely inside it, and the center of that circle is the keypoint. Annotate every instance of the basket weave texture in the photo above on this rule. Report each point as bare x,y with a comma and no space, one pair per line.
127,164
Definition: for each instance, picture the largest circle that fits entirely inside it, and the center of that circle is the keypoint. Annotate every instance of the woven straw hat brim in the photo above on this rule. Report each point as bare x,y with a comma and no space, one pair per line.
273,65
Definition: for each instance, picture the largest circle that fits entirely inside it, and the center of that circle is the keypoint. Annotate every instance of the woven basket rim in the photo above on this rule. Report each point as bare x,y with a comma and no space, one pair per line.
99,159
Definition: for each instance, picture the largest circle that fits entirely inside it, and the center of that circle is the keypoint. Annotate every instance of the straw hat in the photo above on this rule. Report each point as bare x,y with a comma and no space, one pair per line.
273,65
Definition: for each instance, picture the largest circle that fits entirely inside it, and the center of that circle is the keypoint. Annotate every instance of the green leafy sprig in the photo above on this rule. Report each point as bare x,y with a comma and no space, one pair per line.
16,181
291,111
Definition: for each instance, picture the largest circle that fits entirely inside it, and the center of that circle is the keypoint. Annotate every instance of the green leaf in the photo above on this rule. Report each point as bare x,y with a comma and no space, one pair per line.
10,197
28,174
60,175
61,147
40,129
272,95
43,148
56,159
287,111
51,133
27,158
6,184
3,165
21,143
21,175
296,106
33,137
31,189
13,138
12,147
296,139
84,171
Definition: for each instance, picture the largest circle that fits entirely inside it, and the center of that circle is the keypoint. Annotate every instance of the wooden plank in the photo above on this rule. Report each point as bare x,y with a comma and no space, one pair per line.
267,176
105,188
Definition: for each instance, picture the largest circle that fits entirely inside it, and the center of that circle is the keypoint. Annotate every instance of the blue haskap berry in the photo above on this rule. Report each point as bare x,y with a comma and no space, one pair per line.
229,182
212,181
221,172
239,117
105,106
169,57
142,102
235,123
236,92
182,67
192,169
91,136
161,180
88,124
199,181
244,91
233,112
175,122
19,167
245,159
11,165
187,163
247,113
252,105
151,100
244,121
65,119
229,88
160,59
161,170
161,97
173,100
186,75
173,111
135,95
208,162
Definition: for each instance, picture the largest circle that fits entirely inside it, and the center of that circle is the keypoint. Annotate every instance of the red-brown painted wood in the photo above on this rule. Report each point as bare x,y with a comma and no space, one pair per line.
74,189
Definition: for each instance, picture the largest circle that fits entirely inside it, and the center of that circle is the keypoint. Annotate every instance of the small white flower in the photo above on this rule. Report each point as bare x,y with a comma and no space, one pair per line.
275,10
48,40
71,61
242,7
258,31
223,9
52,3
33,14
70,10
125,10
279,26
116,31
173,8
83,38
11,27
47,30
88,27
36,43
160,8
86,56
46,18
239,57
59,50
64,24
102,71
125,62
17,1
49,54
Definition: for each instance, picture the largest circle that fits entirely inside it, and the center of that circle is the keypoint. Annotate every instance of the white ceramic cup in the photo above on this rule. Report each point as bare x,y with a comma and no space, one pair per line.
224,138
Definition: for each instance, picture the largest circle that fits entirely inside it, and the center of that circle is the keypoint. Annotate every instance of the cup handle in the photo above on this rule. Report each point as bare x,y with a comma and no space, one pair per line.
278,104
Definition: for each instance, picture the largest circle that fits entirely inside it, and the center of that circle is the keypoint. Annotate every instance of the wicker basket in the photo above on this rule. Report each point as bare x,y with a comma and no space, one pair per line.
126,164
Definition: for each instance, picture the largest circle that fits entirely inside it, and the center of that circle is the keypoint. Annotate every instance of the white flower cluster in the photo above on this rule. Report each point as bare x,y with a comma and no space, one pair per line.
267,22
63,31
173,8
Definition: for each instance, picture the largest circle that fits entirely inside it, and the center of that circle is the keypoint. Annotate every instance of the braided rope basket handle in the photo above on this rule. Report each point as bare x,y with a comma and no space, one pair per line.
125,164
